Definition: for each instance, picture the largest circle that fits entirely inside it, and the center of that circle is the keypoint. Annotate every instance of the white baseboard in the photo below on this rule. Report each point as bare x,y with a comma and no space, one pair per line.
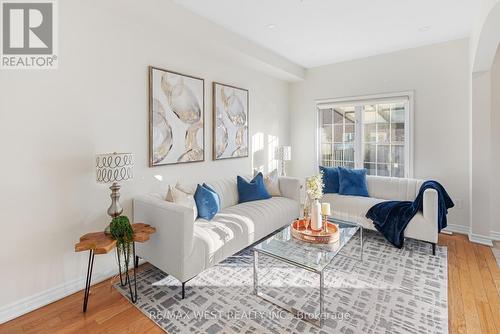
481,239
457,229
28,304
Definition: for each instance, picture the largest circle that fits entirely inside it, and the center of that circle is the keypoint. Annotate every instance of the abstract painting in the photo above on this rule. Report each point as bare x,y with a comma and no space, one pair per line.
230,122
176,118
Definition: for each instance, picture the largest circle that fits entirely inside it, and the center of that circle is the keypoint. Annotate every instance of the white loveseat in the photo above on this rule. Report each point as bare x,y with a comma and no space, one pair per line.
184,247
424,226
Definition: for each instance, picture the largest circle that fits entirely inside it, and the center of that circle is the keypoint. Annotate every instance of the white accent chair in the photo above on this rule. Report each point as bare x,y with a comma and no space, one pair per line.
424,226
183,247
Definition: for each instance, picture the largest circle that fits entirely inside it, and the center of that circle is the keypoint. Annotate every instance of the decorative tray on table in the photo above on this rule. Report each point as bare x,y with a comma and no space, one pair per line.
301,230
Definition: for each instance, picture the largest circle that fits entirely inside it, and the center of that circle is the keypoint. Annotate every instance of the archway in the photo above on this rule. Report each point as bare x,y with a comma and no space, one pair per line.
488,41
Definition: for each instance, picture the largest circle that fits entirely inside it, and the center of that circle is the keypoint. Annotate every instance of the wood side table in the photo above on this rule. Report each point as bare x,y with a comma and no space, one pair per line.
101,243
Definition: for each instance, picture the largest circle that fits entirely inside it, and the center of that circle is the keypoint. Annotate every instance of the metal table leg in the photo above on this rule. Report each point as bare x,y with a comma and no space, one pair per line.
321,297
361,241
133,293
296,312
88,281
133,296
255,276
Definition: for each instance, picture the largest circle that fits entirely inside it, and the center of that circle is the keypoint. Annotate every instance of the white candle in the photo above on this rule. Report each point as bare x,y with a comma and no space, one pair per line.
325,209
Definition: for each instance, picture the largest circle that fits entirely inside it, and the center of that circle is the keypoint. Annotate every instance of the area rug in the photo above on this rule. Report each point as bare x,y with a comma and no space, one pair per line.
390,291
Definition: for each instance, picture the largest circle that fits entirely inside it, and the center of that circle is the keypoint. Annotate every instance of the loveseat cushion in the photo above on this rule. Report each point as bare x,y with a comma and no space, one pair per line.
354,209
351,208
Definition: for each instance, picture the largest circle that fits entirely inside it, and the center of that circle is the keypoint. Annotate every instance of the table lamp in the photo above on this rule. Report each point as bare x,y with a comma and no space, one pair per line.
283,154
114,168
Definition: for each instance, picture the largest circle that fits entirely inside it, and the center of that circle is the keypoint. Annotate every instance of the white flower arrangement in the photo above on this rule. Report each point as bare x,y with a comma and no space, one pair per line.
314,186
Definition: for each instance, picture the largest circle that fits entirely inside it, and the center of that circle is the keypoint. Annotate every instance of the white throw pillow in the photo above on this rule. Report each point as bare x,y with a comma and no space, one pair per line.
188,189
272,183
180,197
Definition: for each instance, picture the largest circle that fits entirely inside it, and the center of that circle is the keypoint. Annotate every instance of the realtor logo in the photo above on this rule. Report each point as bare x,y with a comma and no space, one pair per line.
28,35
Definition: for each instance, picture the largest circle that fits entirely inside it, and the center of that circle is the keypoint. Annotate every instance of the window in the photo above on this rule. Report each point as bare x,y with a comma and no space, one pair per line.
371,132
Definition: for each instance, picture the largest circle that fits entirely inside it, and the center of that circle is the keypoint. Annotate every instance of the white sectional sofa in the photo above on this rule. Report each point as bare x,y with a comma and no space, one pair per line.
424,226
183,247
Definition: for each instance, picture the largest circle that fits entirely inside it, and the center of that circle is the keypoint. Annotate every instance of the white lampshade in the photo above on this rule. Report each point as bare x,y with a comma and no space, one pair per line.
114,167
283,153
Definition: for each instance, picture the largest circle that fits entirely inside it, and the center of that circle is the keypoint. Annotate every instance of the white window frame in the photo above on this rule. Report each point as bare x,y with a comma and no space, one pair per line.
370,99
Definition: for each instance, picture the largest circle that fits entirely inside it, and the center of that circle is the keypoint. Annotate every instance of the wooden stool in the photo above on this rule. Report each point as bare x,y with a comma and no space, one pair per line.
101,243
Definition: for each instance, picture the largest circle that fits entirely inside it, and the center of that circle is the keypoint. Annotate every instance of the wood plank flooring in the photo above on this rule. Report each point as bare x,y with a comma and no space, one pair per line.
473,297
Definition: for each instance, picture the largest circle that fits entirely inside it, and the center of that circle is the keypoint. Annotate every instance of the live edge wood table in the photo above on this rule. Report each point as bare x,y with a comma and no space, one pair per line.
101,243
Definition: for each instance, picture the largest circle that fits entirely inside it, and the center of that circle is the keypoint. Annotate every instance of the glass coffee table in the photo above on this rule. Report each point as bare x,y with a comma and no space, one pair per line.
312,257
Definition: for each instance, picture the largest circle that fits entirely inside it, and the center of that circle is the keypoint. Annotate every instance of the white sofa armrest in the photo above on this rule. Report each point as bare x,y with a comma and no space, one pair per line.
430,206
290,187
174,223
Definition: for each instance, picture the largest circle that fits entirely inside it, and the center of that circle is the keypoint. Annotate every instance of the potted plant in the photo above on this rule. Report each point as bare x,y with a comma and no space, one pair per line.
121,230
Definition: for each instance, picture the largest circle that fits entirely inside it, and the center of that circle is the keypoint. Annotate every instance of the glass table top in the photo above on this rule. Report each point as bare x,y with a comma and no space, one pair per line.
304,254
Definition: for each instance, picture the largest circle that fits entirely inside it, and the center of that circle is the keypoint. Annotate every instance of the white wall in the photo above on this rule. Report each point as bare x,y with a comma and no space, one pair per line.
495,148
52,123
480,156
439,76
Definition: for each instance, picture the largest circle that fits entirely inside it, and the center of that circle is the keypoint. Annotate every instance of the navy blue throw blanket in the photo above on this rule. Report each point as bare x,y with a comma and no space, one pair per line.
391,217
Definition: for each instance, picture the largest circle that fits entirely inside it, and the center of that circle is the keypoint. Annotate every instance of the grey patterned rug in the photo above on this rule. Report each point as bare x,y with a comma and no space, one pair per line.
391,291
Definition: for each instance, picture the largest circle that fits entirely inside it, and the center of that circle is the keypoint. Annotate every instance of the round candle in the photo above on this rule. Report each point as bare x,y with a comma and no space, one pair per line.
325,209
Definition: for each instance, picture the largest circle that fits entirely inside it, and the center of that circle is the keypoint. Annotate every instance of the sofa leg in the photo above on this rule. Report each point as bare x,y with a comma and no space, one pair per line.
434,248
136,262
183,289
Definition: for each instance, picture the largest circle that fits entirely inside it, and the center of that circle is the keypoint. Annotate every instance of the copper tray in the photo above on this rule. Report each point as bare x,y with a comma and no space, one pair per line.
299,231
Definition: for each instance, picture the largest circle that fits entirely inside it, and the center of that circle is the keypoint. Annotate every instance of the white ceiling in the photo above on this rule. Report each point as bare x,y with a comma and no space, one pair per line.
318,32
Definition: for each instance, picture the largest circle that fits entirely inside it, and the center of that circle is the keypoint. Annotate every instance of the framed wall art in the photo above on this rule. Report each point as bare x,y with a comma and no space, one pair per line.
176,118
230,121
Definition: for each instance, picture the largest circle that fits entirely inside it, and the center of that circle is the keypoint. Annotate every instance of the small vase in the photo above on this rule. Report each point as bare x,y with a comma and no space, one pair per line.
316,221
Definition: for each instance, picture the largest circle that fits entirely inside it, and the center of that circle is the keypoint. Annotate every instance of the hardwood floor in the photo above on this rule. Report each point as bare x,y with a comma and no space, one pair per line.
473,286
473,297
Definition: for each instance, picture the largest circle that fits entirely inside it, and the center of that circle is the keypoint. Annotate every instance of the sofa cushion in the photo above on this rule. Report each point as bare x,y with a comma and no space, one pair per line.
354,209
252,191
330,179
238,226
392,188
207,201
352,182
351,208
227,190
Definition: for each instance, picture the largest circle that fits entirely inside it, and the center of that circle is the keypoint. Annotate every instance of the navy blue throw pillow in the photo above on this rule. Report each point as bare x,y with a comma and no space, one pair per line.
330,179
252,191
353,182
207,202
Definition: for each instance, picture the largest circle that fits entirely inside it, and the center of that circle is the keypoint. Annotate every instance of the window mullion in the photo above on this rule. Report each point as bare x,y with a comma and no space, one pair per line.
391,158
376,139
358,137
